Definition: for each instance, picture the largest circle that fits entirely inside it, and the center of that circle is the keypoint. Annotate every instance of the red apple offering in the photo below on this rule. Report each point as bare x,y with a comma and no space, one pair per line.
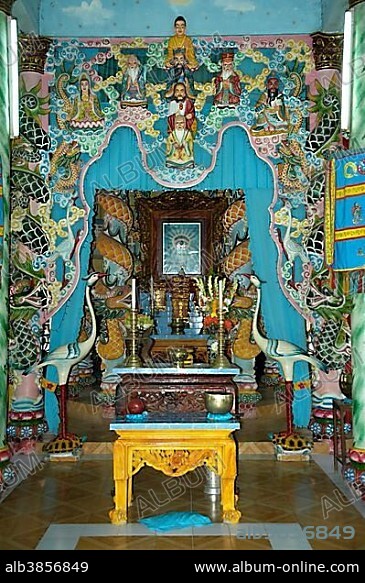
135,404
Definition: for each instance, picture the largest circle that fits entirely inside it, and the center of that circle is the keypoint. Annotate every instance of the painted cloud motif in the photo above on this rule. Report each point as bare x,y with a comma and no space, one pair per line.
236,5
89,13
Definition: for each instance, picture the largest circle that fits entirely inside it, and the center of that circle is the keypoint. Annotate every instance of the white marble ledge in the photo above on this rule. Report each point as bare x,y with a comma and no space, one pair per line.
161,368
189,336
175,426
176,421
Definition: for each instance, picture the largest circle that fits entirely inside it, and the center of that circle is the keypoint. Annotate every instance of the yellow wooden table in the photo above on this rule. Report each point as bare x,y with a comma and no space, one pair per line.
175,445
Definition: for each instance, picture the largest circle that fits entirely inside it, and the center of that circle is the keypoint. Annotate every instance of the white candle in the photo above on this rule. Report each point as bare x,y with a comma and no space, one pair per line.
134,296
151,292
220,294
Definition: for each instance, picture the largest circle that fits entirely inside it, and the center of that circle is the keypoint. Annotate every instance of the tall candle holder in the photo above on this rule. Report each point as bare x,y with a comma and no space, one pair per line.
133,360
221,360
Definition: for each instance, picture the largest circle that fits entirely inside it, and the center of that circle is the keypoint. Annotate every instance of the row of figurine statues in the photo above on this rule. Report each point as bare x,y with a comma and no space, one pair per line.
180,64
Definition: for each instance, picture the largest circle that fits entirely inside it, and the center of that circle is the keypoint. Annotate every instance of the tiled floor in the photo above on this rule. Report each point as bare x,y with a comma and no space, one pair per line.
284,505
66,506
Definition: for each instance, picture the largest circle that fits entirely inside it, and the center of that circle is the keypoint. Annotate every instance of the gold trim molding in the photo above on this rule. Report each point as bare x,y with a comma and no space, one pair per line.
327,50
6,6
33,52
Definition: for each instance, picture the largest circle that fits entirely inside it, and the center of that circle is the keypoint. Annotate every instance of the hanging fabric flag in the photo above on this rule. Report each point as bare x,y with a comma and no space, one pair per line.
345,212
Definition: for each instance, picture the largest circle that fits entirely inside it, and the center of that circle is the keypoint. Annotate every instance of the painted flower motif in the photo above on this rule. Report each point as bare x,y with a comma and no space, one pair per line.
316,428
300,385
11,431
349,474
347,427
42,428
329,430
9,474
26,432
22,199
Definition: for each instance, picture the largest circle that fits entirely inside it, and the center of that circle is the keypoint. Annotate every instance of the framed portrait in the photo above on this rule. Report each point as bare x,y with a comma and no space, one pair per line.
181,247
179,229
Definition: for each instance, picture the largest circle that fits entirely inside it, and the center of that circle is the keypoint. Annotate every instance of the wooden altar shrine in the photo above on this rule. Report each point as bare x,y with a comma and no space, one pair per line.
166,388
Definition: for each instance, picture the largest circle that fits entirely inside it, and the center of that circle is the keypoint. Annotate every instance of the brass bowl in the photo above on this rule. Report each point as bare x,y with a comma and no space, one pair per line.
178,356
218,403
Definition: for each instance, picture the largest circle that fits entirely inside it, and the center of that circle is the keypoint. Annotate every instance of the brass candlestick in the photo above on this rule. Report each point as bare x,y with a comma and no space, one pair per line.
221,361
133,360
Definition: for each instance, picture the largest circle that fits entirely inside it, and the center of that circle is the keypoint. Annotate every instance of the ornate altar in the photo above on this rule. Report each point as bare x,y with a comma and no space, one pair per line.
174,445
169,388
181,237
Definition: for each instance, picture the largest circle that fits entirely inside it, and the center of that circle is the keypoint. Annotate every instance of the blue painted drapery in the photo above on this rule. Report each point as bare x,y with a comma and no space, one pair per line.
237,166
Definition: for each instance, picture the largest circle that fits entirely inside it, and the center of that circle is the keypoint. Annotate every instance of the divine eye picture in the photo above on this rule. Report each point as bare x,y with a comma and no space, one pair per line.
181,248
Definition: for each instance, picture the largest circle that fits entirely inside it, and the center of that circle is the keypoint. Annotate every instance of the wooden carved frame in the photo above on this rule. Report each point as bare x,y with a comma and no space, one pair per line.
179,206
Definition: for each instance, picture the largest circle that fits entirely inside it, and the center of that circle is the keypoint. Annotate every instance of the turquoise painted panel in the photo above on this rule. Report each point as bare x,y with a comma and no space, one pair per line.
287,58
83,18
117,156
245,170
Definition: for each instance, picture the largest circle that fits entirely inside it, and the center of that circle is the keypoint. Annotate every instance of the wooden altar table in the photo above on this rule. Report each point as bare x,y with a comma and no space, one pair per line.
174,444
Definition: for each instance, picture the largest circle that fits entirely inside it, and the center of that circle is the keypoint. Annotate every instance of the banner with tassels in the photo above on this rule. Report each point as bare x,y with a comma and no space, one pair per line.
345,212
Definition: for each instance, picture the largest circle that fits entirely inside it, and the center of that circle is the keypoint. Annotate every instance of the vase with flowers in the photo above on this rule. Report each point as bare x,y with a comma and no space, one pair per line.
209,304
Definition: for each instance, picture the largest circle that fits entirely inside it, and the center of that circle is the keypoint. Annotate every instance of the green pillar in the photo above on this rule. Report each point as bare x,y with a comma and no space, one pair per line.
5,8
358,366
357,141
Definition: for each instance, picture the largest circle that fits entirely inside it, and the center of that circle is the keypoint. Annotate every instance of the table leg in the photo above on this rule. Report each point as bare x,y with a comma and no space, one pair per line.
230,513
228,476
120,512
130,490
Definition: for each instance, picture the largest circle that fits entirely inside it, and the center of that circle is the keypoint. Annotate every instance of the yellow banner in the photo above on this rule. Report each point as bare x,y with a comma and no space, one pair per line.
350,191
348,234
329,212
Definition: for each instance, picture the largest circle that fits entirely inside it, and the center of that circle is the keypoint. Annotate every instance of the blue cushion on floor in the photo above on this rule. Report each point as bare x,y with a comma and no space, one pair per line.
172,520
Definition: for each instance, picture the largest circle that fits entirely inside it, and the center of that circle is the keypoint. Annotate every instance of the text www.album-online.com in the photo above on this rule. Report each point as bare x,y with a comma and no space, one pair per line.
300,567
